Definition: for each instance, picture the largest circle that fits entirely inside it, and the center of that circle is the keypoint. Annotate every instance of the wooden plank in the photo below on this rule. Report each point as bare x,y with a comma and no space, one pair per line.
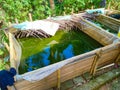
109,12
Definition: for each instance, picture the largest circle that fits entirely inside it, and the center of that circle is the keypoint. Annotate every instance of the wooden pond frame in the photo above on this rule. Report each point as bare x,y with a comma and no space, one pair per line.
108,21
88,62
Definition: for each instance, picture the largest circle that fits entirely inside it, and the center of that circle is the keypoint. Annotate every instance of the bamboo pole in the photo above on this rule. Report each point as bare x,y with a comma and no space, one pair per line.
16,20
95,62
58,84
15,52
30,17
72,12
12,53
64,13
9,23
109,4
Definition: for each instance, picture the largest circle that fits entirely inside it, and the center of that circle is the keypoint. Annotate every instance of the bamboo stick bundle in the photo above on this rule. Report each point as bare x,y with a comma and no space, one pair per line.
64,24
31,33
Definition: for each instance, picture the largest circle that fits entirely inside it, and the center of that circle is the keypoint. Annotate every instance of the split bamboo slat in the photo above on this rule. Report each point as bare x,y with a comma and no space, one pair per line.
81,65
15,52
97,33
109,12
112,23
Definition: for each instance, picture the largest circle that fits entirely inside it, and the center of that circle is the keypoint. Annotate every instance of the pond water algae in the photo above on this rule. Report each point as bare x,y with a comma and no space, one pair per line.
38,53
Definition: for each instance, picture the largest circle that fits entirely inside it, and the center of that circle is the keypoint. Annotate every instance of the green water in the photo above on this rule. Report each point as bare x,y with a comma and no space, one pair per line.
38,53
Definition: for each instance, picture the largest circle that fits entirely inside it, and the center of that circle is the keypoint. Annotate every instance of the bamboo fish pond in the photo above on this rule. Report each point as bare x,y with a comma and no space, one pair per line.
38,53
81,47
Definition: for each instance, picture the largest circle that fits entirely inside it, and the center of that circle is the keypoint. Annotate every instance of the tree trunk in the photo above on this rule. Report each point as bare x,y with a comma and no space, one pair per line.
52,4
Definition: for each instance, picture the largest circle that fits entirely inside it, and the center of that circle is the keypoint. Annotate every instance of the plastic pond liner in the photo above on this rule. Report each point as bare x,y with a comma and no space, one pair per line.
39,53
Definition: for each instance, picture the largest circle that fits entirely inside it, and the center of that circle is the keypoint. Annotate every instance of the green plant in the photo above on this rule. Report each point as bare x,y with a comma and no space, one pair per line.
4,55
68,6
40,9
20,8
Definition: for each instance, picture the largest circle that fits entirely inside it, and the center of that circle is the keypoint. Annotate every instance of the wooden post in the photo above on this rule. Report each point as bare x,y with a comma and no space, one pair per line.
95,62
15,52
